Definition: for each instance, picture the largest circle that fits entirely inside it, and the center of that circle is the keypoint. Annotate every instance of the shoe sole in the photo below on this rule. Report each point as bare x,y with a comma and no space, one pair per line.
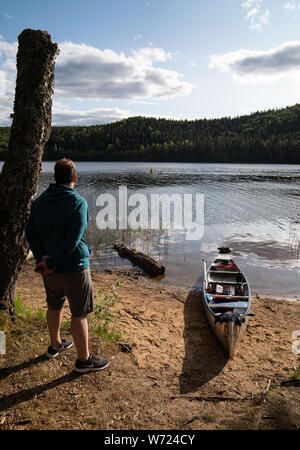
90,369
56,354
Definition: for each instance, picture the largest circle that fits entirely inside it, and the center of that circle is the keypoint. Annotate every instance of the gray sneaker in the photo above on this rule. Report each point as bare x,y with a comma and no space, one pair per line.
52,352
92,364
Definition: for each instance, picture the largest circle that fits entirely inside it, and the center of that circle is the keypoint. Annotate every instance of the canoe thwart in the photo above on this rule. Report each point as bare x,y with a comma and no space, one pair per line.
229,305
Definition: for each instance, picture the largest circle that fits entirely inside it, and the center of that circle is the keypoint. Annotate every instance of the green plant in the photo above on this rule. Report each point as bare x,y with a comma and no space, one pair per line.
37,313
103,315
19,306
66,325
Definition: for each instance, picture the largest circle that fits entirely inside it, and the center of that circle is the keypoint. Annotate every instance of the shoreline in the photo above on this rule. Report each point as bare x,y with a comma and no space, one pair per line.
164,283
170,284
179,162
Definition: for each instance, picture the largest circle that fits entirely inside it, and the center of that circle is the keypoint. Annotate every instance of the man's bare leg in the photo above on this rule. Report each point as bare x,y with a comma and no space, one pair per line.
79,330
54,322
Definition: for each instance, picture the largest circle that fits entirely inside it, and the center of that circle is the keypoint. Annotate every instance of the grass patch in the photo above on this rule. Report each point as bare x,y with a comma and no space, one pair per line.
29,313
28,327
23,331
103,316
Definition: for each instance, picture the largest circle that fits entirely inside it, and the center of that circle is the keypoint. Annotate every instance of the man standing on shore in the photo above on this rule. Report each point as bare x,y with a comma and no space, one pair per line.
56,233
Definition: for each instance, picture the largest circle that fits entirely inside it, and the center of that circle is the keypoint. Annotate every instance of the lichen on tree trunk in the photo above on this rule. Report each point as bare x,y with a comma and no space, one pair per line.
30,130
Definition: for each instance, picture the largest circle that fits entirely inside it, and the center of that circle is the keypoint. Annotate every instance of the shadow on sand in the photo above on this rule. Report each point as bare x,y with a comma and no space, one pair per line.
16,398
204,358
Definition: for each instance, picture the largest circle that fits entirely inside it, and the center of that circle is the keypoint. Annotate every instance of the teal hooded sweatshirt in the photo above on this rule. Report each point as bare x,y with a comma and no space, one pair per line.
57,227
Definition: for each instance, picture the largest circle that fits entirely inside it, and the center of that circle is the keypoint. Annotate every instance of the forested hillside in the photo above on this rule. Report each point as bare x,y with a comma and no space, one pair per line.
264,137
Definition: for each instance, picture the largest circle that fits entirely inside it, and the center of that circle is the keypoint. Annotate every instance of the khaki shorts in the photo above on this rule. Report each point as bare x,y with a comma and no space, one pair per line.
76,287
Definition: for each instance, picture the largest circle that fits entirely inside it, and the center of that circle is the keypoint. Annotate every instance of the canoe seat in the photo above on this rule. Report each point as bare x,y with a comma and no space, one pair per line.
228,298
215,305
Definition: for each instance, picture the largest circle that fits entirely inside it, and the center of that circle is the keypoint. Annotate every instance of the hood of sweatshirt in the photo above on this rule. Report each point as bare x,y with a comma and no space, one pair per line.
57,192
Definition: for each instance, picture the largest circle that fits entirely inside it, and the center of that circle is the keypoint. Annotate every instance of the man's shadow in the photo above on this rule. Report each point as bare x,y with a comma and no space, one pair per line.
6,371
14,399
204,358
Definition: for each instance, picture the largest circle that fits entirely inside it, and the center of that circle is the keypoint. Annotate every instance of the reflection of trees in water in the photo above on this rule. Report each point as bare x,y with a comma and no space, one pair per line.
151,242
181,177
294,238
154,243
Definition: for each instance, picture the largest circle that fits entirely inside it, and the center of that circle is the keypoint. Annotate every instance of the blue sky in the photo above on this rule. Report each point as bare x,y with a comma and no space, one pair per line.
181,59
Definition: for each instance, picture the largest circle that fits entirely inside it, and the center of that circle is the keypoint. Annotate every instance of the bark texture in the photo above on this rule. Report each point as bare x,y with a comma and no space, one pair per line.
30,130
149,265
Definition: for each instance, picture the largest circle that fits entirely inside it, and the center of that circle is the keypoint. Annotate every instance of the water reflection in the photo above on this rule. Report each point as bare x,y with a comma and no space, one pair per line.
254,209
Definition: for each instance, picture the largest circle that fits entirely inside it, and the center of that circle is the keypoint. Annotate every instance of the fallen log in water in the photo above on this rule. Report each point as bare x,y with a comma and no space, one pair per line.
149,265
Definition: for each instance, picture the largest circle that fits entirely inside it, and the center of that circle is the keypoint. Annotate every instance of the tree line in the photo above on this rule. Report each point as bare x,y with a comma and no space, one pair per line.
271,136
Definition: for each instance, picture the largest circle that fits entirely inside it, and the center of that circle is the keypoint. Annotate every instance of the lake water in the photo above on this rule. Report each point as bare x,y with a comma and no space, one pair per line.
253,209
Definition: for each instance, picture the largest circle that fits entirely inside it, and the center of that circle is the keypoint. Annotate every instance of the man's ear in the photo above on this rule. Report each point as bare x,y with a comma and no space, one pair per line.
75,177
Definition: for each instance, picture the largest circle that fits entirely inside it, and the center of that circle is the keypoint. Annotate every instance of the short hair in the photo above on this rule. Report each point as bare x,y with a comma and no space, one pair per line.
64,171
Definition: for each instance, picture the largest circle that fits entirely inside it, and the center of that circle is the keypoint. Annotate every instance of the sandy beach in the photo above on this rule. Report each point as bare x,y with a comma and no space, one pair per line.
175,377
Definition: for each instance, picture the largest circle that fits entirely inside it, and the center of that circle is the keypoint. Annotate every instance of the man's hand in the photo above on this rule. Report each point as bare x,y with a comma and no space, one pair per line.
42,267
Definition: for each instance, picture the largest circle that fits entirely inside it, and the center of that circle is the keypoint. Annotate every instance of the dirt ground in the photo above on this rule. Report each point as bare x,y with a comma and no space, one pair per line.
176,377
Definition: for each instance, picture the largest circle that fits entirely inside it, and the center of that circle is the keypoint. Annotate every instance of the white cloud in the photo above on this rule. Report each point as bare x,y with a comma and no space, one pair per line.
255,15
249,66
8,50
290,6
63,115
85,72
6,108
250,3
7,79
2,83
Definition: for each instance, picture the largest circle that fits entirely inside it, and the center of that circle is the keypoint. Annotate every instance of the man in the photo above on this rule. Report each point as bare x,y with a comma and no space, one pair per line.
56,233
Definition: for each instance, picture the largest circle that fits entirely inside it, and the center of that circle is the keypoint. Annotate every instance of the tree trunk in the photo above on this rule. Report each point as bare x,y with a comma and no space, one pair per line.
149,265
30,131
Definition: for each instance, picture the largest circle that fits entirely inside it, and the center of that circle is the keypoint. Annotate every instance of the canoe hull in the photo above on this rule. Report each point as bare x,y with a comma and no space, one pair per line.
228,334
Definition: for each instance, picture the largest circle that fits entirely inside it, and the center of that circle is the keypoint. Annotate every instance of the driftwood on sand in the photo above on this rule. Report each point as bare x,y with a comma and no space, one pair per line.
149,265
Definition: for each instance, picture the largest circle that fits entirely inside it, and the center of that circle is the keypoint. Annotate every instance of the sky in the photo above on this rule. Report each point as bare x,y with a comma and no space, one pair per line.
178,59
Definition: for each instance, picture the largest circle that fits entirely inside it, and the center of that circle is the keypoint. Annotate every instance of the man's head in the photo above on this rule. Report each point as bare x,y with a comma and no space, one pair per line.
65,172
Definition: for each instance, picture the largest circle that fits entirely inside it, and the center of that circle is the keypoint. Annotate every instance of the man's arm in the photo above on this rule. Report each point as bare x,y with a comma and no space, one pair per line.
75,232
32,239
